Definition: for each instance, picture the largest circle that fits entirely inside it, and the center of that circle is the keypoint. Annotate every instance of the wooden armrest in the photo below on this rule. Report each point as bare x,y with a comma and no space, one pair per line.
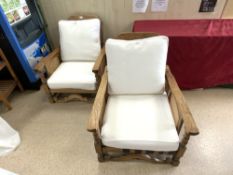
39,67
99,61
189,123
46,62
54,54
99,106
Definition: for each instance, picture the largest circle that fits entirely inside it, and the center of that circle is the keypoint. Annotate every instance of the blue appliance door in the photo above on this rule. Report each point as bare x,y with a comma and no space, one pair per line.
16,46
36,50
24,30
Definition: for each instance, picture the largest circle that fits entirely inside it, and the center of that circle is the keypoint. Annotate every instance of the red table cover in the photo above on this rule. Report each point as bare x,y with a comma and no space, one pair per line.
200,51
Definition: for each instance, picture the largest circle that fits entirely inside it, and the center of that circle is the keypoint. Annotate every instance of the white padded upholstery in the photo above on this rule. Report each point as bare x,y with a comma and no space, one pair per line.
79,39
75,75
137,66
141,122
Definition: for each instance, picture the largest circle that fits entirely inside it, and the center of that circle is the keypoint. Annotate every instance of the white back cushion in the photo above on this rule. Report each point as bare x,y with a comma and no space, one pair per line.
137,66
79,39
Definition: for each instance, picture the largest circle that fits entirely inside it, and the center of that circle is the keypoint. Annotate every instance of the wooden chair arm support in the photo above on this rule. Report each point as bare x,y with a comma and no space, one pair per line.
97,113
40,67
189,123
100,61
44,63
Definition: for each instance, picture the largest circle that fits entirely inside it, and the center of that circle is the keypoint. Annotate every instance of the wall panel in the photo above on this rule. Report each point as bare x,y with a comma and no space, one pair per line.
228,11
117,15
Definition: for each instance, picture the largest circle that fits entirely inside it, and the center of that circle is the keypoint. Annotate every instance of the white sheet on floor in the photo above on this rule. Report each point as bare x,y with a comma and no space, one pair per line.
5,172
9,138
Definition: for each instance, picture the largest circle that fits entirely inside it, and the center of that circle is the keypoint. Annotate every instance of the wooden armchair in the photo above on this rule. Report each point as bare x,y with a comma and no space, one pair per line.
140,118
76,67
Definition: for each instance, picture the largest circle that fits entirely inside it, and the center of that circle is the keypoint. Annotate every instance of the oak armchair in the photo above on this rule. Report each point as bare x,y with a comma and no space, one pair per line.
139,111
76,67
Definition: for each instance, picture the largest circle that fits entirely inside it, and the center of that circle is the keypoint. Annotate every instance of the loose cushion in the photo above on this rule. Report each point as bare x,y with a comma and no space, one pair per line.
140,122
75,75
79,39
137,66
9,138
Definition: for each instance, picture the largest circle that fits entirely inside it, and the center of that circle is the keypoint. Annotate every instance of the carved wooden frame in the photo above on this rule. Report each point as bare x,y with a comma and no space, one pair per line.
49,64
182,117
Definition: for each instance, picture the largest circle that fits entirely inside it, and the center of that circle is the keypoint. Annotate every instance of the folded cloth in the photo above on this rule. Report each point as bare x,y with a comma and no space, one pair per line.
9,138
5,172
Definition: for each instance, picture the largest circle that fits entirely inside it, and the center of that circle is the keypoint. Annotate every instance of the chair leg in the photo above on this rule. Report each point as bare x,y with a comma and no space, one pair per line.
98,148
51,100
7,104
181,150
100,157
47,91
175,162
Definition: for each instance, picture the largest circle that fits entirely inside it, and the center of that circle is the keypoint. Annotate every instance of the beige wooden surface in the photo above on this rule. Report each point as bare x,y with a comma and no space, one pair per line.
228,11
117,15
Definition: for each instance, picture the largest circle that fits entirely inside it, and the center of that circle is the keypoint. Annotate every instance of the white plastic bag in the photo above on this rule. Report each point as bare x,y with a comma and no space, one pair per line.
9,138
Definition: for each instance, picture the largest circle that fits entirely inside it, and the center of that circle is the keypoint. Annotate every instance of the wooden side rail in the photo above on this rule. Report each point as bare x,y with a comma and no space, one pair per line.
98,109
183,110
99,66
99,61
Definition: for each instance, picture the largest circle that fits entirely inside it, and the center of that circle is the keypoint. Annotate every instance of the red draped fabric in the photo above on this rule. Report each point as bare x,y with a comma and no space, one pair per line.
200,51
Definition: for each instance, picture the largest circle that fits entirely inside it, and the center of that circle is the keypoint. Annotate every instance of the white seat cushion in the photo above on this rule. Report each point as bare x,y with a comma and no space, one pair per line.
140,122
74,75
142,60
79,39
